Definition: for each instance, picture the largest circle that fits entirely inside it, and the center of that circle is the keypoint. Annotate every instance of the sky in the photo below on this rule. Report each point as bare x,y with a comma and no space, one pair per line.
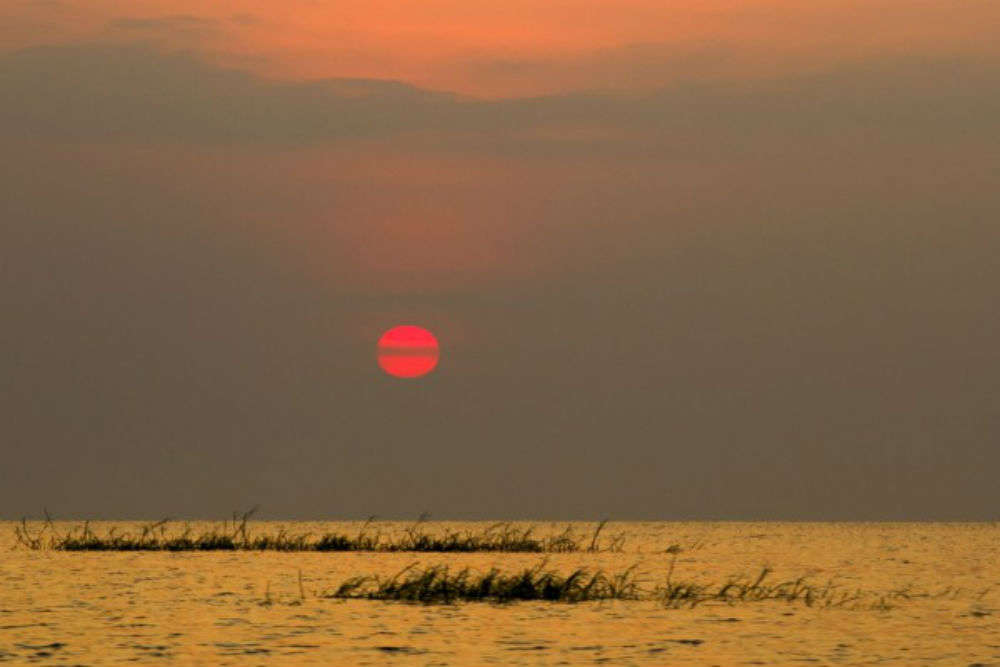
693,260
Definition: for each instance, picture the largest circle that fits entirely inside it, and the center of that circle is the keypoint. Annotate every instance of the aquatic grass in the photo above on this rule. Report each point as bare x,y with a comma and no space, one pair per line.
437,584
742,589
738,590
240,536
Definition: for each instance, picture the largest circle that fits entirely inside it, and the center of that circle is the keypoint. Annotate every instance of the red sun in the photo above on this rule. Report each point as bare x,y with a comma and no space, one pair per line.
407,351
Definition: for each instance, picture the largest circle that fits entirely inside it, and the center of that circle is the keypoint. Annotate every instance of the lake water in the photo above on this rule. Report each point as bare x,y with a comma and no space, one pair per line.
248,608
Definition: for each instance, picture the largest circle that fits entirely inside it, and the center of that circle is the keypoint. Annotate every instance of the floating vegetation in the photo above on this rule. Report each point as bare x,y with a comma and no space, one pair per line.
739,589
438,584
761,588
238,535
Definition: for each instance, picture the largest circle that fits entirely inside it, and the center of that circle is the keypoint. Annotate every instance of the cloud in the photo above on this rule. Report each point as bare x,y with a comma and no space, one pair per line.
120,93
112,92
181,22
245,19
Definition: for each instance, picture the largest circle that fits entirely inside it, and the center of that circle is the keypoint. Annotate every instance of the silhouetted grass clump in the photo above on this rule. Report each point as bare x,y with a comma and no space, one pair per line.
742,589
439,585
239,536
739,590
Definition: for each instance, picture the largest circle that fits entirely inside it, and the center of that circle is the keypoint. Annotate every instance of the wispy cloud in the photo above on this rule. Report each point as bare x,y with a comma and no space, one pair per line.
118,93
176,22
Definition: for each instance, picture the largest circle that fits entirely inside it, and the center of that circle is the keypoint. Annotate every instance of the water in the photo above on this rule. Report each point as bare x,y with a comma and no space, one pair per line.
226,608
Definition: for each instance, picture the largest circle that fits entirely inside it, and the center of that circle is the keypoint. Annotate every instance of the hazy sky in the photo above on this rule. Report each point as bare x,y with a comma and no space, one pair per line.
719,259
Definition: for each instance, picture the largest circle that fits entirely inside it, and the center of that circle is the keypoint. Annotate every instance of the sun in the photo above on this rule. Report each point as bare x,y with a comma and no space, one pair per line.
407,351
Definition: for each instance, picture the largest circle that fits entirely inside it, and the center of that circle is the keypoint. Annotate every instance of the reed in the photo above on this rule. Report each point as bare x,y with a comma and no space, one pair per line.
737,590
239,535
437,584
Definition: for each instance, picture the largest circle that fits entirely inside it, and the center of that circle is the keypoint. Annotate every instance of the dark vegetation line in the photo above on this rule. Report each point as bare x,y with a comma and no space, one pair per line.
439,585
239,536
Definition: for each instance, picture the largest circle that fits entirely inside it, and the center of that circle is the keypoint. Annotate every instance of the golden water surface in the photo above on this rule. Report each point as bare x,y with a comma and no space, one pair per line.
248,608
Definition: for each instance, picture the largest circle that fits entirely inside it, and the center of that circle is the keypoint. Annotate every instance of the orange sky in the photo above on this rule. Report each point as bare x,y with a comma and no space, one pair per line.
519,47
